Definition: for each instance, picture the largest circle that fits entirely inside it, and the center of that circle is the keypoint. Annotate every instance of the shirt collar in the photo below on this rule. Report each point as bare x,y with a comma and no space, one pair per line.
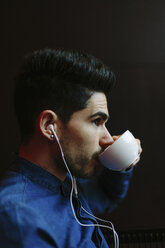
41,176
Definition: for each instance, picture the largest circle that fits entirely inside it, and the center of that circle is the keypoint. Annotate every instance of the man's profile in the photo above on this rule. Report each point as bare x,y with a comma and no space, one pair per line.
68,90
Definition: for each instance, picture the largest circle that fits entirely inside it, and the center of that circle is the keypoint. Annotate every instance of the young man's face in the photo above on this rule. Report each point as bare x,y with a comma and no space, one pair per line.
85,136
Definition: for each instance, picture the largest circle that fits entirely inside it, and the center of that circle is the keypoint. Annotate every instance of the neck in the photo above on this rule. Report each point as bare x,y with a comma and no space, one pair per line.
40,153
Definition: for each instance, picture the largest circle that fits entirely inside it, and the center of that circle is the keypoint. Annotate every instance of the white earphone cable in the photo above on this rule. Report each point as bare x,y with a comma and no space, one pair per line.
74,188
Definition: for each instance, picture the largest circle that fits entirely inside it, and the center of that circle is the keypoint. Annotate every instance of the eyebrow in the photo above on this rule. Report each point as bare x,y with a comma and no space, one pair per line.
102,114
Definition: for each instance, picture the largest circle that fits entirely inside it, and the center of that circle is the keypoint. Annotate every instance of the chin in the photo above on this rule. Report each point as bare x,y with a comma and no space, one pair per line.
93,172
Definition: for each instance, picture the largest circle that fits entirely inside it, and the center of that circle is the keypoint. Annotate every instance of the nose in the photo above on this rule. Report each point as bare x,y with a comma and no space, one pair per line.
106,139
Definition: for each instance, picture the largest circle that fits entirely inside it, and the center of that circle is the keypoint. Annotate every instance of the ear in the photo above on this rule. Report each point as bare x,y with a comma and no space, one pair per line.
46,118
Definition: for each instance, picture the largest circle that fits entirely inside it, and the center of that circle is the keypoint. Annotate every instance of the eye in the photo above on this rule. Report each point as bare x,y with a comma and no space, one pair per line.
97,121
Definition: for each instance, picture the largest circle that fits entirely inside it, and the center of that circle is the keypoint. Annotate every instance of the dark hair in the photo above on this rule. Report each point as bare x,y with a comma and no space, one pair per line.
60,80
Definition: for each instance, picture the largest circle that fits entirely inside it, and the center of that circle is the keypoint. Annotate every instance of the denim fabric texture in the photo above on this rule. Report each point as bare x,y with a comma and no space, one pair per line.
35,210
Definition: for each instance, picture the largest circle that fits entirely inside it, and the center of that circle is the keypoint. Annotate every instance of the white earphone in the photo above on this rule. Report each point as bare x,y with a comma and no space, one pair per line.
74,189
50,127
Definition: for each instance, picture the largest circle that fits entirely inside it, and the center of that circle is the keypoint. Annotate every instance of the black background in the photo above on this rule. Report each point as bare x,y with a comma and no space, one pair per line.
129,36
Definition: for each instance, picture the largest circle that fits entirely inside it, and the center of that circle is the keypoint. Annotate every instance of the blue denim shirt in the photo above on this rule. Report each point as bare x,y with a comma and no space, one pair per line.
35,208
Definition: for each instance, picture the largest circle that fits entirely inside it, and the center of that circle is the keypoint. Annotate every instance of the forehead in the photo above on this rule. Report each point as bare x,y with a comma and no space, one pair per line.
98,102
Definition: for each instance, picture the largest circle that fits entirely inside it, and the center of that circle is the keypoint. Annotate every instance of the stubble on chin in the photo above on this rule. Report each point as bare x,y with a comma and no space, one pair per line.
81,168
86,168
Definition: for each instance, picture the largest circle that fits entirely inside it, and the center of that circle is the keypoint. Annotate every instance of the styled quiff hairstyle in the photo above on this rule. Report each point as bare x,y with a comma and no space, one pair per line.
60,80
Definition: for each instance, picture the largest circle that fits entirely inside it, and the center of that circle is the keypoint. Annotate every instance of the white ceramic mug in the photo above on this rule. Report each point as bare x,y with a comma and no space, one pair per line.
121,154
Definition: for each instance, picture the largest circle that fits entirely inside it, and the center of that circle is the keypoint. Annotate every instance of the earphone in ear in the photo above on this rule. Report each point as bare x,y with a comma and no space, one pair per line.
50,127
74,189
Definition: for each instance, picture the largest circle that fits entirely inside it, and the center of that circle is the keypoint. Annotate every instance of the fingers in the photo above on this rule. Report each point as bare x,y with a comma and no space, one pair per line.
139,146
136,161
139,152
115,137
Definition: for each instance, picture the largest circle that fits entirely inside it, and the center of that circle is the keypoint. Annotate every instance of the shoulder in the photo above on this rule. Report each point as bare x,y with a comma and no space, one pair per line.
17,213
12,189
23,226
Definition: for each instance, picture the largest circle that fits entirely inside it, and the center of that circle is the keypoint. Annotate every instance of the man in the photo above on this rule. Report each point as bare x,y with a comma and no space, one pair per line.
63,93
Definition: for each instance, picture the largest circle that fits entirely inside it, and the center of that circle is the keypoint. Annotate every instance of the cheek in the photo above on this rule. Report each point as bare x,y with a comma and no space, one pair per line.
83,137
90,143
76,133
